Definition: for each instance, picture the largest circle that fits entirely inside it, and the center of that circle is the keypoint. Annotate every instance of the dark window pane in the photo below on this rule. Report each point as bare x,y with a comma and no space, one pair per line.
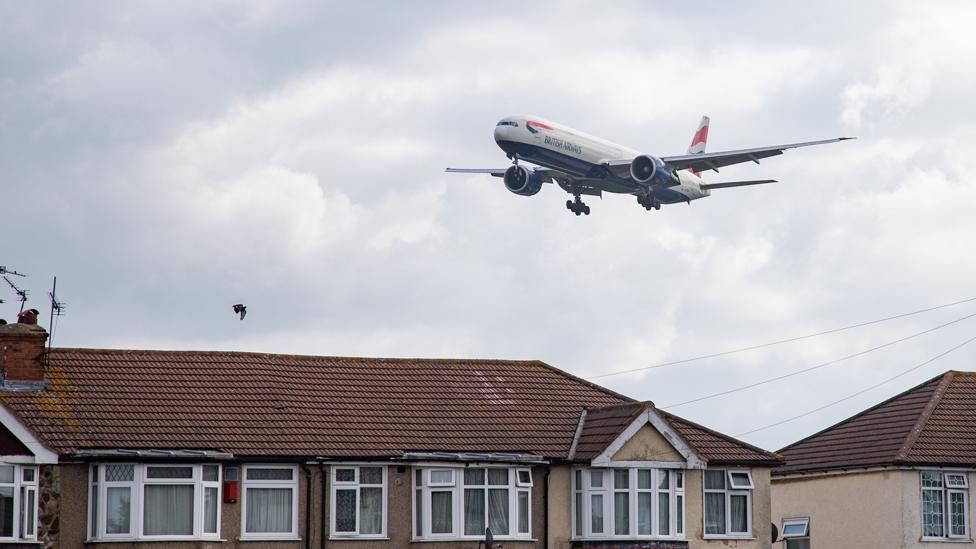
265,473
621,513
7,511
498,511
345,510
169,472
371,475
475,477
168,510
714,513
523,512
474,512
370,510
442,516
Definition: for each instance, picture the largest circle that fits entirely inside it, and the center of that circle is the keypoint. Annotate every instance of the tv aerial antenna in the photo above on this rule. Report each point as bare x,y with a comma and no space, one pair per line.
57,309
22,294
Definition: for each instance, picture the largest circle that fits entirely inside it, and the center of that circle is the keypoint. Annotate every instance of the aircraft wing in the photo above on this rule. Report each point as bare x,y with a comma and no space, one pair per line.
715,160
494,172
546,174
727,184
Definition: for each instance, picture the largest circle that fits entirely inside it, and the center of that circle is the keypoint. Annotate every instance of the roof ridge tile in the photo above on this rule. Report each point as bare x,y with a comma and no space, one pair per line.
923,418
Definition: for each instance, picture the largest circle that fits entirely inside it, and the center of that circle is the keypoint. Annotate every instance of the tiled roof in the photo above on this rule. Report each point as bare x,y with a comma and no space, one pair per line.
281,405
602,426
933,423
717,448
254,405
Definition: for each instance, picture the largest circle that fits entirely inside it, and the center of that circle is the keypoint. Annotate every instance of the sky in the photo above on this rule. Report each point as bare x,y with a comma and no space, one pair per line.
168,160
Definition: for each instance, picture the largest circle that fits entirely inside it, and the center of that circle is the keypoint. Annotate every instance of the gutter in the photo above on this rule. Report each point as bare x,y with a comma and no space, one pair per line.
322,508
308,505
545,508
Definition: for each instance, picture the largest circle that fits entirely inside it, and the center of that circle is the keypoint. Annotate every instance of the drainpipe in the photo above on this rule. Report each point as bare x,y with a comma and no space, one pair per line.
308,505
322,537
545,505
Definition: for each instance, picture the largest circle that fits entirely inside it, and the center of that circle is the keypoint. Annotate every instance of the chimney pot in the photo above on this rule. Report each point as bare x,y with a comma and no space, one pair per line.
28,317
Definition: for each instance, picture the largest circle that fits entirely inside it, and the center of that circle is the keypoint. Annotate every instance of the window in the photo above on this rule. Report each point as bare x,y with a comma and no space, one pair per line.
270,502
727,503
796,533
18,502
141,501
359,501
628,503
459,503
945,505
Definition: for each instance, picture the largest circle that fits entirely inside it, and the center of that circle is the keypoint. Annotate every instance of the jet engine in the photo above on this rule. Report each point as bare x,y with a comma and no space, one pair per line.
649,170
643,168
521,181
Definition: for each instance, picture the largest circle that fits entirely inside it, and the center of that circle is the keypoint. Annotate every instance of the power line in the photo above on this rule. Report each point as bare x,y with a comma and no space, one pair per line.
862,391
781,341
818,366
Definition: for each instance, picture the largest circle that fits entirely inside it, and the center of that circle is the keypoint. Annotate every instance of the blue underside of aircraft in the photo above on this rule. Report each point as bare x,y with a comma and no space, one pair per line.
582,169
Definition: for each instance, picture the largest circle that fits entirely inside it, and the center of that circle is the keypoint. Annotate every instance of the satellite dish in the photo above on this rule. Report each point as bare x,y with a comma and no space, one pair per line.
775,532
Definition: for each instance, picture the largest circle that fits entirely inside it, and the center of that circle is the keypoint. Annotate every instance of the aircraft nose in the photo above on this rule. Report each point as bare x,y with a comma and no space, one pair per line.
501,133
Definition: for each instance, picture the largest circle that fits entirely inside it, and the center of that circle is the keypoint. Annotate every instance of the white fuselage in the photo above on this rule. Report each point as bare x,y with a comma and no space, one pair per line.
584,157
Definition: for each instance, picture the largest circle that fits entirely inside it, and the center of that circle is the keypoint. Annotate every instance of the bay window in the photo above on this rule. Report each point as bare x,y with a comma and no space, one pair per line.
945,505
459,503
148,501
359,501
270,503
727,502
18,502
628,503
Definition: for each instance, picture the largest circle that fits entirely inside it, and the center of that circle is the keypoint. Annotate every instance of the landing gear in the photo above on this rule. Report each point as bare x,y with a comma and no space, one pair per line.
577,206
649,201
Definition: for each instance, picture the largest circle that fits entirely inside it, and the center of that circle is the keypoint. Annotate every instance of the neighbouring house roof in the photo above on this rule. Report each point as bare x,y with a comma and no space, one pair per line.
266,405
601,426
931,424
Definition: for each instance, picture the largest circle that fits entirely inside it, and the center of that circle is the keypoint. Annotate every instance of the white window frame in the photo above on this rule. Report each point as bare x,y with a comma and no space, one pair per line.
97,483
804,521
675,494
947,492
357,486
729,493
456,488
292,484
20,490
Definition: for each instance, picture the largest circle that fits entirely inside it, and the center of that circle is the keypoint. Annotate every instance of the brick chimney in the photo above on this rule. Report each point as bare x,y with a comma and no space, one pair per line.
22,350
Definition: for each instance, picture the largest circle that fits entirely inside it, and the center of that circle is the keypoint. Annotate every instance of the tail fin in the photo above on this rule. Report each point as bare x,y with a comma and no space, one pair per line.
701,136
699,139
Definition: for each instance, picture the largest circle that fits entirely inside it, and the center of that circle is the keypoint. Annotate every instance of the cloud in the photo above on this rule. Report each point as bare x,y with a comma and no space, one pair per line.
167,163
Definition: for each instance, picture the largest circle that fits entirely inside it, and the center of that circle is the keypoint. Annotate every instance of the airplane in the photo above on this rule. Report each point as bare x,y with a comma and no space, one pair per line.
582,164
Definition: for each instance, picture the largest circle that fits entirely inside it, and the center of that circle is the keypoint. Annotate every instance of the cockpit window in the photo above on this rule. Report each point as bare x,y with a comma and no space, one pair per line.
508,123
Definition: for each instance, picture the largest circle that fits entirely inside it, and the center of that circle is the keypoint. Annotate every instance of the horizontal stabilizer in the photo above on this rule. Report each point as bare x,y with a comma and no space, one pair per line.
727,184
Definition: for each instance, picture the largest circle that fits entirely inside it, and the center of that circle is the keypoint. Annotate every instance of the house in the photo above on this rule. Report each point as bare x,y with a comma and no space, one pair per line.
118,448
896,475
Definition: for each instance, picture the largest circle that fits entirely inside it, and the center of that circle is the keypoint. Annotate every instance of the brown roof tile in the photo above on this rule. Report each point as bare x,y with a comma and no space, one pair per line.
268,405
602,426
932,423
253,404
